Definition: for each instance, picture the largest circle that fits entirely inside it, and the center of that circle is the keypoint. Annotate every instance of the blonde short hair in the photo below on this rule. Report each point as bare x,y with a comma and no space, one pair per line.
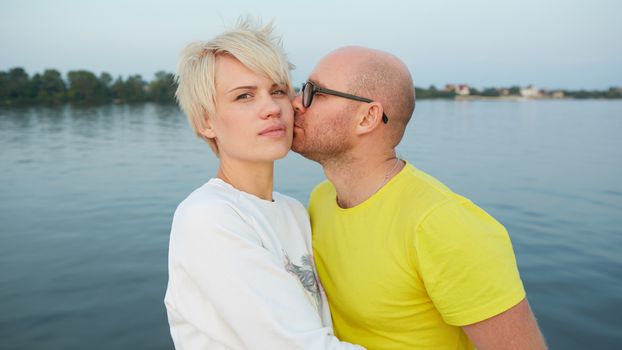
251,43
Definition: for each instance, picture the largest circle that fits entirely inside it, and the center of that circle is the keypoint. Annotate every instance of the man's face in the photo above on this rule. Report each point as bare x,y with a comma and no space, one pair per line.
323,131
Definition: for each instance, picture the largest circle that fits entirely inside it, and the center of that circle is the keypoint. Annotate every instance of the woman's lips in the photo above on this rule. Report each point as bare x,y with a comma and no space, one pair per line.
273,131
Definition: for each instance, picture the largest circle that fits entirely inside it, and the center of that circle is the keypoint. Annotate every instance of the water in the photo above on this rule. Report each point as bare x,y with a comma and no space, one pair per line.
87,196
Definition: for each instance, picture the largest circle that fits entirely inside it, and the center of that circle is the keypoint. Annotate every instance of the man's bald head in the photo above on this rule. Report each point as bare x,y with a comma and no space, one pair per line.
381,77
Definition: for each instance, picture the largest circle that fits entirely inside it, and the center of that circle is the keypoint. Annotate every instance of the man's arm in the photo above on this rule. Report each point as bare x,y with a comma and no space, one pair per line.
515,328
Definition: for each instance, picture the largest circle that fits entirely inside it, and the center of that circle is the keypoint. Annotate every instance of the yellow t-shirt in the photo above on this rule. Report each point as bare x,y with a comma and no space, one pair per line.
410,265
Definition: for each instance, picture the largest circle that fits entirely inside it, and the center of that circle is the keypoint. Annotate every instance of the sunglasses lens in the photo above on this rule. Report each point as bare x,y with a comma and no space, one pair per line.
307,95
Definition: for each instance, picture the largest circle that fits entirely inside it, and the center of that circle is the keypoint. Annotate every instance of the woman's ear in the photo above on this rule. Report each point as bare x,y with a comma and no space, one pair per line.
208,131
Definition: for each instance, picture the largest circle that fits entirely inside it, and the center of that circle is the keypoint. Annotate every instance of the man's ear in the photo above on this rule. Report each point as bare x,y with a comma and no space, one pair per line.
370,118
208,131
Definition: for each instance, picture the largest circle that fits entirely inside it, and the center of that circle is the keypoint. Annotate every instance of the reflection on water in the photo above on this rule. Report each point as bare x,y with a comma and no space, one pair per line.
87,194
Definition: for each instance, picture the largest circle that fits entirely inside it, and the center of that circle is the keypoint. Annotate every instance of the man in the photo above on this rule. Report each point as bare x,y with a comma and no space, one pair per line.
405,262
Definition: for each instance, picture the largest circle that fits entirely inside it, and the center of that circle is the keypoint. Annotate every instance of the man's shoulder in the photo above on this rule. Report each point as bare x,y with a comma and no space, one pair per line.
420,181
323,188
421,192
322,191
431,202
444,213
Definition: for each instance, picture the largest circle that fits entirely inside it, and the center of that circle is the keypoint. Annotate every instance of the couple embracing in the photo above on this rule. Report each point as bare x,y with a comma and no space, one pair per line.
385,257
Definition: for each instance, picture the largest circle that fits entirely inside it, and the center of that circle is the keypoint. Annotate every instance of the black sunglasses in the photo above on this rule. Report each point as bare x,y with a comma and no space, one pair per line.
309,89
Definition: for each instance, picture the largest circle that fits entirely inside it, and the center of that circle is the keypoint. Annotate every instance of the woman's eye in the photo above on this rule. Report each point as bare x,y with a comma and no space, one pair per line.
244,96
279,92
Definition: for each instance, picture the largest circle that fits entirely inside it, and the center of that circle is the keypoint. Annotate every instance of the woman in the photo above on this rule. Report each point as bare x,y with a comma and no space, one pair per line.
241,274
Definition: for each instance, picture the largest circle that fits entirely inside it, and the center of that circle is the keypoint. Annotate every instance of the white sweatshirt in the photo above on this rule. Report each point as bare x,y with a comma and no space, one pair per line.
241,274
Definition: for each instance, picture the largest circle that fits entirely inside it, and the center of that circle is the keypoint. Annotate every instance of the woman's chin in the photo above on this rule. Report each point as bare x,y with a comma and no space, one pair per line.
280,154
281,151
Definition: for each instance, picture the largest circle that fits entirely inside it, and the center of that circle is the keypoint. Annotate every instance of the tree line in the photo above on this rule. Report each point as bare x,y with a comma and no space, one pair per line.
83,87
433,92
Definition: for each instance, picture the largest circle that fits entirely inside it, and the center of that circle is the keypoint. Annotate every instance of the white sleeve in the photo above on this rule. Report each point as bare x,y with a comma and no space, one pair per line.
223,262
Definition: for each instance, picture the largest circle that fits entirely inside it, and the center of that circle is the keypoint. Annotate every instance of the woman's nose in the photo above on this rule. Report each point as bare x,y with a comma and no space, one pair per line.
271,108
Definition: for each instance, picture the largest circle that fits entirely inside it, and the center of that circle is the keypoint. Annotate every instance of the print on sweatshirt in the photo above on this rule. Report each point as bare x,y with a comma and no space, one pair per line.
306,275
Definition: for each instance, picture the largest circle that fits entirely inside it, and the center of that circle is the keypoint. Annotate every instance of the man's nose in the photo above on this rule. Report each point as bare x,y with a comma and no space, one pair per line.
297,104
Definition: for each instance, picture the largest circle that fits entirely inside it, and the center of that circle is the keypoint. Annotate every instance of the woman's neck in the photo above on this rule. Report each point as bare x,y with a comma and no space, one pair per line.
256,178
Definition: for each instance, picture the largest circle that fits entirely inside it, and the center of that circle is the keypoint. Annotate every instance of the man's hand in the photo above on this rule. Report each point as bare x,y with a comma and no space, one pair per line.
515,328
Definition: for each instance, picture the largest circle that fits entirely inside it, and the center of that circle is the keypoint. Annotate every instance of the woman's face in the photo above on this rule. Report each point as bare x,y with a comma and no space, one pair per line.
254,116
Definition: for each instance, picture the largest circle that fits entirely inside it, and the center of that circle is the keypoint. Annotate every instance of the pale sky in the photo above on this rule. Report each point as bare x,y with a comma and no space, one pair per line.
549,43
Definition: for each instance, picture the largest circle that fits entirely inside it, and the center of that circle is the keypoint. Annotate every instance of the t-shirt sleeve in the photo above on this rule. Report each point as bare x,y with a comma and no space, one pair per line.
466,261
215,256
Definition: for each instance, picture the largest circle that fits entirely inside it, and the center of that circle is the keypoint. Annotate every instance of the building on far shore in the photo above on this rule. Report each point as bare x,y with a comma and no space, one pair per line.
557,94
503,91
459,89
530,92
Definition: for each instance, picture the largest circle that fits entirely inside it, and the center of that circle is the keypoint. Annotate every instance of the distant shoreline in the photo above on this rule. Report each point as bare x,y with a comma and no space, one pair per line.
82,87
512,98
517,99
